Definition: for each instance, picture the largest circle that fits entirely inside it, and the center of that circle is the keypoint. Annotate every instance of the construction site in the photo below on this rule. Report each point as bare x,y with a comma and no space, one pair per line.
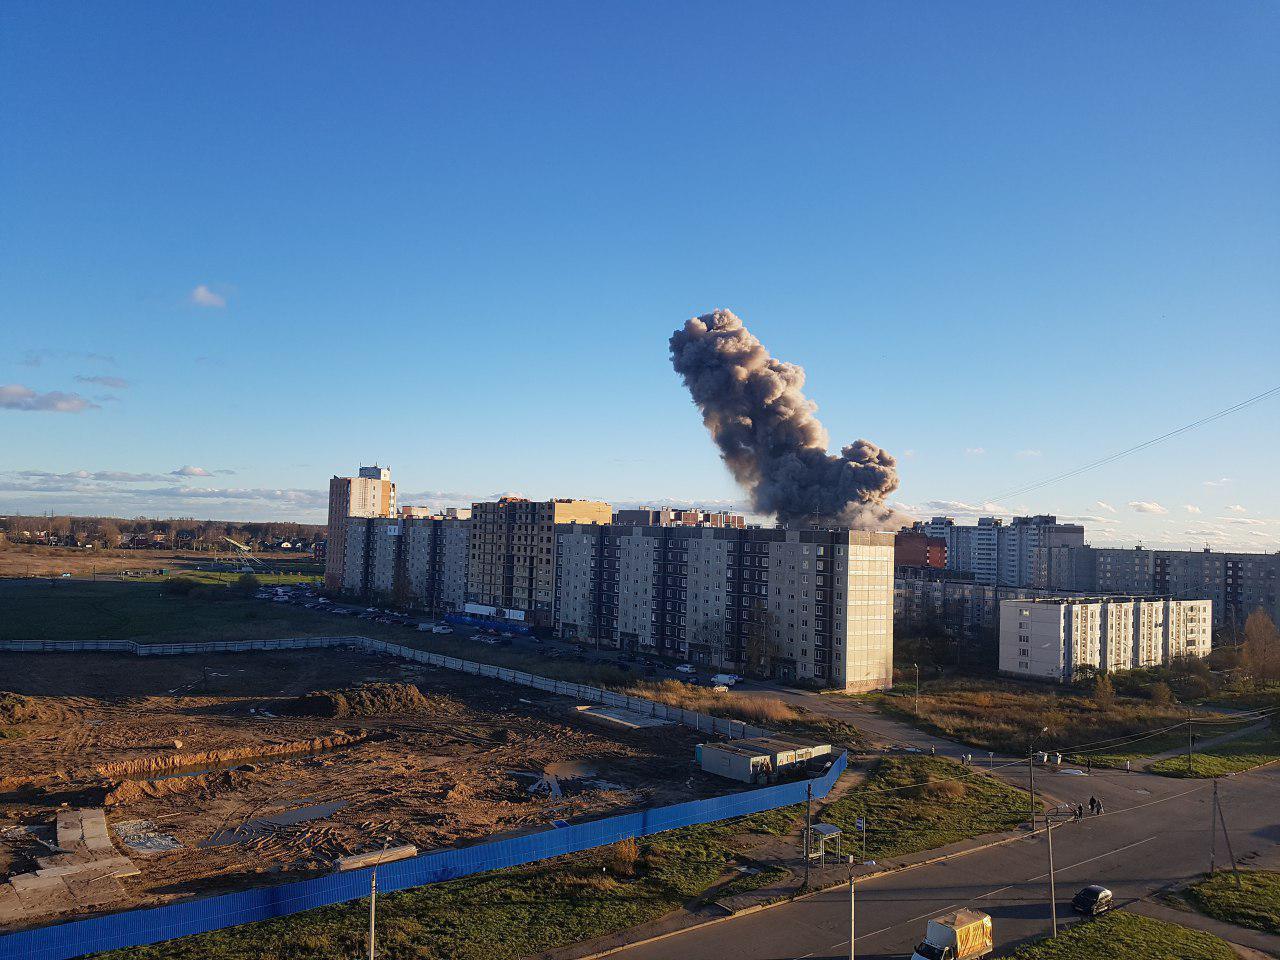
131,781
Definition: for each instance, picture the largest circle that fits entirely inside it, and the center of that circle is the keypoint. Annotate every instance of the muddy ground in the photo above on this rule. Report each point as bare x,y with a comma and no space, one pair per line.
204,749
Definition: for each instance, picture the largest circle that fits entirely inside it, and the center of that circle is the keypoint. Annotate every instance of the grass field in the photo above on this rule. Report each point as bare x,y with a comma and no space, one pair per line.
1128,935
501,915
34,560
1234,756
1007,718
918,803
1255,903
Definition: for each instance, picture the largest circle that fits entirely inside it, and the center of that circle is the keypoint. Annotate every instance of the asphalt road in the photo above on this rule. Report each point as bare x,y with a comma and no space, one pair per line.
1155,832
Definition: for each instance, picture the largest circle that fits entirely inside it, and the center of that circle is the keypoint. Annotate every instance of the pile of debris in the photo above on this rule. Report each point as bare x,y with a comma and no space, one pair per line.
366,700
81,873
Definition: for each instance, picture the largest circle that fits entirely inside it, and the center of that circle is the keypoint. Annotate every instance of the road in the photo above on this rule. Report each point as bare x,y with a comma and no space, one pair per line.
1155,832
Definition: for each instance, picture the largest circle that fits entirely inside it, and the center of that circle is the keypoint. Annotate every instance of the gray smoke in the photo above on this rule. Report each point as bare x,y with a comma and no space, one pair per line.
767,433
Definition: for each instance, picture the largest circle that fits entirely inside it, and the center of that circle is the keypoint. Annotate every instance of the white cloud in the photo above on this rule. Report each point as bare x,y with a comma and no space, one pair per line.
1027,454
14,396
1190,508
1220,482
1237,508
974,451
202,296
1146,506
907,454
1103,505
190,471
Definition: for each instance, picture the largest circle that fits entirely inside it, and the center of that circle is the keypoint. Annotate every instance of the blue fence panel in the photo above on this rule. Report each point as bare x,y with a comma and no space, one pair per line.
139,927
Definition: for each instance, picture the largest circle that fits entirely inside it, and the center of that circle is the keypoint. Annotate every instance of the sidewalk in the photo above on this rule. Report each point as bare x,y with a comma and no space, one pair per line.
1146,762
785,891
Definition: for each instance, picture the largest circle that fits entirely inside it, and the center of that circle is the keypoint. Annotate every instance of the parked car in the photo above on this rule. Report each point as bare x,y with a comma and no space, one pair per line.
1093,900
728,679
686,668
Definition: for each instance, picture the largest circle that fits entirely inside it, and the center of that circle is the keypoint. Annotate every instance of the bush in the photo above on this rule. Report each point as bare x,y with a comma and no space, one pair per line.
623,858
248,583
1161,695
1104,692
178,586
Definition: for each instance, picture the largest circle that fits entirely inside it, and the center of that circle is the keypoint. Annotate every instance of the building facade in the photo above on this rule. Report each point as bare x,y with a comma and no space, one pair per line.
416,562
1057,638
810,606
371,493
1000,554
911,548
1237,583
512,561
672,517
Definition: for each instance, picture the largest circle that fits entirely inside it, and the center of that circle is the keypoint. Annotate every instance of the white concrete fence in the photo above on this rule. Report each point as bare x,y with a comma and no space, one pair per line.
703,723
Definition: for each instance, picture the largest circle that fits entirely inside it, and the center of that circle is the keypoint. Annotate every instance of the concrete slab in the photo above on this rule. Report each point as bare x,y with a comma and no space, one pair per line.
11,910
621,717
41,895
91,891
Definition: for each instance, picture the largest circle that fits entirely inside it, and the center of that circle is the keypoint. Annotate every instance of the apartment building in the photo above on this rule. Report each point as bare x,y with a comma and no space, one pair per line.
672,517
997,553
929,597
371,493
914,549
813,606
409,561
1237,583
1053,638
512,558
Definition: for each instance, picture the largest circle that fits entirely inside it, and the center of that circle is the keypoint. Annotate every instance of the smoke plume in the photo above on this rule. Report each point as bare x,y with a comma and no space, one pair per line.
768,435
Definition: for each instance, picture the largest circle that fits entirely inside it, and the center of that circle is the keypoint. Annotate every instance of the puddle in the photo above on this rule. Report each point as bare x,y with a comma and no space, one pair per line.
264,826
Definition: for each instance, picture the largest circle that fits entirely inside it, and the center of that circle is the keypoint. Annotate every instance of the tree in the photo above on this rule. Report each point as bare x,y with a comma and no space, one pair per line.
1261,654
708,635
760,650
1161,695
1104,692
247,583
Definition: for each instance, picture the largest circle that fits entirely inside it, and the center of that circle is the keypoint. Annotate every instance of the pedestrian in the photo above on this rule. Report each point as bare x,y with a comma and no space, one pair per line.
1079,812
1126,767
1100,811
1057,759
1088,764
1093,804
933,751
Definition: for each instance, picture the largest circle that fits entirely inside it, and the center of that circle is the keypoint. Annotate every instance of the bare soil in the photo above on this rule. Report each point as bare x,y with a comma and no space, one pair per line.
267,766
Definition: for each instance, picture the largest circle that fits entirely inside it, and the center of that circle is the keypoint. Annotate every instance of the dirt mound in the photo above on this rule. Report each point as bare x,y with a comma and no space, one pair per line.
15,708
367,700
222,758
129,791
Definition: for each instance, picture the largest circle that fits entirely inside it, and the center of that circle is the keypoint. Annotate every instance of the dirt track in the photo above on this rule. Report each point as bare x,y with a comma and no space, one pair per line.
456,765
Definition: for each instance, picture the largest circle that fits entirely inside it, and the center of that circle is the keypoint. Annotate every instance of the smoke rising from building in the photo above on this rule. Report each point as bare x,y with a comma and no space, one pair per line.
768,435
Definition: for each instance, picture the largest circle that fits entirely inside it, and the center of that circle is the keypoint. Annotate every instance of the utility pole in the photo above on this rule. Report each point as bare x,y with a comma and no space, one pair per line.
808,828
1031,785
373,902
1053,894
853,951
917,706
1213,828
1227,836
1189,735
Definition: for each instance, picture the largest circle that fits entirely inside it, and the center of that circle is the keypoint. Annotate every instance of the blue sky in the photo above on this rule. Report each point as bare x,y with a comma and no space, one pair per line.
1003,239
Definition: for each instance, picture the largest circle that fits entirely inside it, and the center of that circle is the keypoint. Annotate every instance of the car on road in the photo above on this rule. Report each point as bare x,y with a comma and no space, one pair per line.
686,668
728,679
1093,900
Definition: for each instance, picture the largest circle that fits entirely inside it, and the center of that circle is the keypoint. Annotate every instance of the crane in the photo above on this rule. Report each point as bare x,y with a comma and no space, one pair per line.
245,552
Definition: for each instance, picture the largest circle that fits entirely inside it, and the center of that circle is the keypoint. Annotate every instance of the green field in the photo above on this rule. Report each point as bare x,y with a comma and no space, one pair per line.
501,915
1234,756
918,803
1254,903
1127,936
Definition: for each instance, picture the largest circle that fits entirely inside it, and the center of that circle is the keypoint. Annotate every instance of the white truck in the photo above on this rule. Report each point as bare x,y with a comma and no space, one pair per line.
963,935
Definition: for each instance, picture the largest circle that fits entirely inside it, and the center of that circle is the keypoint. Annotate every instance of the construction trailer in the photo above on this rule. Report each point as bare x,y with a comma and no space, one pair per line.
759,759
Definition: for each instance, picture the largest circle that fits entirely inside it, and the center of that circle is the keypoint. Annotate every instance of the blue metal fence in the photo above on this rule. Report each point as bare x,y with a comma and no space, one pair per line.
138,927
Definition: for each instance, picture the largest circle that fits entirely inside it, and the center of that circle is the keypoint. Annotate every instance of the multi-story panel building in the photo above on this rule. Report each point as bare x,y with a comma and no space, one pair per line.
369,494
409,561
997,553
1055,638
813,606
1237,583
911,548
672,517
512,564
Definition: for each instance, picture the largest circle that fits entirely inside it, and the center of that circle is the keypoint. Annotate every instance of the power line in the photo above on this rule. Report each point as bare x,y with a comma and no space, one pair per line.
1134,449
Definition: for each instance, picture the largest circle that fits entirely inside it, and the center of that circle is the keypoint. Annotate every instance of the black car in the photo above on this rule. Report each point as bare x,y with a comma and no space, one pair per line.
1092,900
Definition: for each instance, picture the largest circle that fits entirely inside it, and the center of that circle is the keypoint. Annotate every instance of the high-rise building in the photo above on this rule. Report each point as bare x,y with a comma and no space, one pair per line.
1237,583
512,562
671,517
1054,638
1000,554
811,606
369,494
912,548
408,561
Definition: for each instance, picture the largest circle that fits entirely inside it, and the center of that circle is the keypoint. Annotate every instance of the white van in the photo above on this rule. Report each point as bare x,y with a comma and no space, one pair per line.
727,679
